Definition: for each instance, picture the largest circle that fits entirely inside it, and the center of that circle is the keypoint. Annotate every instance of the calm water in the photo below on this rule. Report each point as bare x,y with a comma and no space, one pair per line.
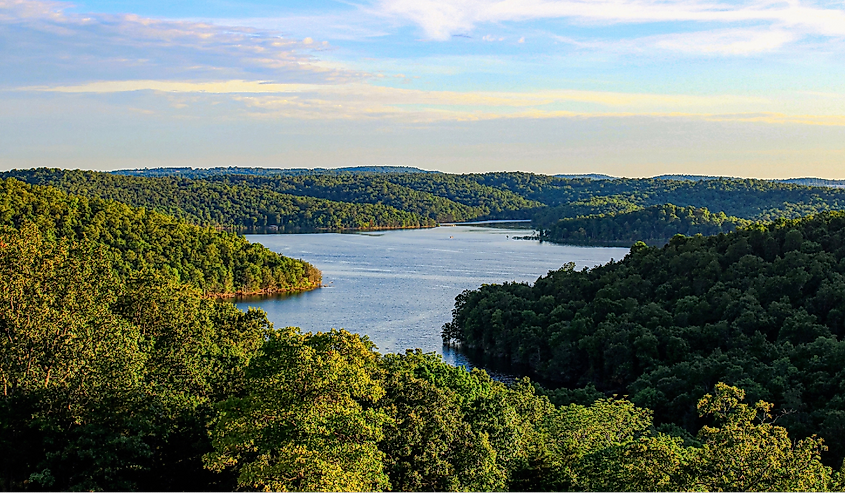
399,287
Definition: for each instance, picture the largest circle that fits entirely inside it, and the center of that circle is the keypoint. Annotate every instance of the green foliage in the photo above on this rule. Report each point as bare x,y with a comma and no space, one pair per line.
495,203
249,199
246,202
118,374
307,421
655,225
747,452
143,384
372,189
139,239
429,442
759,308
59,343
757,200
108,383
594,206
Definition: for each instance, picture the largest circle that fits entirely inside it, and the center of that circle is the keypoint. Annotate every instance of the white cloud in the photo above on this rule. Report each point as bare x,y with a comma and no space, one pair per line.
726,42
42,41
442,18
359,100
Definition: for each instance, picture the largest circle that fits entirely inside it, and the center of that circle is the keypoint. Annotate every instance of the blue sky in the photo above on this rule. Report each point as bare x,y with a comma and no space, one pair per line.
625,87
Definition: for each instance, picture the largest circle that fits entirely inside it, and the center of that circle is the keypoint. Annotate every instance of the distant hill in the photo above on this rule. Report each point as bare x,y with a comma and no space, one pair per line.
235,170
358,198
815,182
592,176
807,182
691,177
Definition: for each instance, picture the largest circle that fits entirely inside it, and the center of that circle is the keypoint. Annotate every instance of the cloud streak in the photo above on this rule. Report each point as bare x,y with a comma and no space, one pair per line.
57,45
360,102
439,19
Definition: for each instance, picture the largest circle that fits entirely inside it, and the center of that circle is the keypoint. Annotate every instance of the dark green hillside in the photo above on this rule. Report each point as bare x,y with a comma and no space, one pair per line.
601,205
139,383
747,199
361,189
140,240
259,200
109,382
653,225
762,308
220,203
464,189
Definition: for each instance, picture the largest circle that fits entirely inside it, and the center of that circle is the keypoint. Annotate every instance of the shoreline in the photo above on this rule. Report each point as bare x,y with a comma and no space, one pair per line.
264,292
266,231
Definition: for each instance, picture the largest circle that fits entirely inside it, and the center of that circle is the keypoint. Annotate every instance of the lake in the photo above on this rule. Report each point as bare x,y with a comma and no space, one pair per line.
399,287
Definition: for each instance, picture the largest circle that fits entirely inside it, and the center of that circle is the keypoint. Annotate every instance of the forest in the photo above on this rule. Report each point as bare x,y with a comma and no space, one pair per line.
762,308
138,382
260,200
139,240
121,372
651,225
223,205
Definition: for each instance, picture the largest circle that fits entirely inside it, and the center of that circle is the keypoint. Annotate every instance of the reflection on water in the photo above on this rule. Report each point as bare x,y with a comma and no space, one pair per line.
399,287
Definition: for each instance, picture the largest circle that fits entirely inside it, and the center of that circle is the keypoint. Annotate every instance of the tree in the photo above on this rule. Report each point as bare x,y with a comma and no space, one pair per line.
308,421
748,452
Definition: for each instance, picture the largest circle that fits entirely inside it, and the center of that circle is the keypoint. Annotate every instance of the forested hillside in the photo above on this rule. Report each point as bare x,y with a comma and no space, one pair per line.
762,308
140,240
746,199
652,225
364,189
250,199
140,383
223,204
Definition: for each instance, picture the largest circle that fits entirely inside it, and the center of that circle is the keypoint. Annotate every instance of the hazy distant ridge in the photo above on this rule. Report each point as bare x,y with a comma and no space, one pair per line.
806,181
592,176
230,170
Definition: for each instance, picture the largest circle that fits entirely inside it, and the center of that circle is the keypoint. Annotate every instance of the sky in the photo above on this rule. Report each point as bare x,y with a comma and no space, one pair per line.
623,87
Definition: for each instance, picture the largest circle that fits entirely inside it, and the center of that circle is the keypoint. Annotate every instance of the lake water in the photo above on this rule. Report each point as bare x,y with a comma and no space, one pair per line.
399,287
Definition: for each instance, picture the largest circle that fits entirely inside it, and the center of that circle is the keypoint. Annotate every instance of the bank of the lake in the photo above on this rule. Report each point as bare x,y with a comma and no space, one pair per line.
399,287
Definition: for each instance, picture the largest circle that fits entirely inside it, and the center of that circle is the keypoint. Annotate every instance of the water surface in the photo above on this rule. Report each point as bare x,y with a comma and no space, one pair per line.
399,287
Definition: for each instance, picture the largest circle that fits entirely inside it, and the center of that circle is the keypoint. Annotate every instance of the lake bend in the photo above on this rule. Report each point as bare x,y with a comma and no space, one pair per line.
398,287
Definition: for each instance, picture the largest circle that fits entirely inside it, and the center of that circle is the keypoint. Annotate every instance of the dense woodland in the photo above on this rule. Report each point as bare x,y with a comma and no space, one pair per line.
652,225
217,203
762,308
120,373
138,382
139,240
249,199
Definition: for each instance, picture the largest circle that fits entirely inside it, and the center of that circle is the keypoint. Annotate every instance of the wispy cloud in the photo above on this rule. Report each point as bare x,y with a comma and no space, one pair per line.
54,44
736,41
726,41
441,18
361,101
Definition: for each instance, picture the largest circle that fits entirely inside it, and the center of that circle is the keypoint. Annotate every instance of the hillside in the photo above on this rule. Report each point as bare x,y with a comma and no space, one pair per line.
142,384
652,225
761,308
139,240
222,204
261,200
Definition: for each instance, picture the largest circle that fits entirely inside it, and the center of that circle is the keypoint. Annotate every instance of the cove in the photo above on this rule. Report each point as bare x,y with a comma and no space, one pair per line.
398,287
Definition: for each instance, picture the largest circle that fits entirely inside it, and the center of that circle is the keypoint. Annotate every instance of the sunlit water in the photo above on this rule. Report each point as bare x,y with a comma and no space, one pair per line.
399,287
